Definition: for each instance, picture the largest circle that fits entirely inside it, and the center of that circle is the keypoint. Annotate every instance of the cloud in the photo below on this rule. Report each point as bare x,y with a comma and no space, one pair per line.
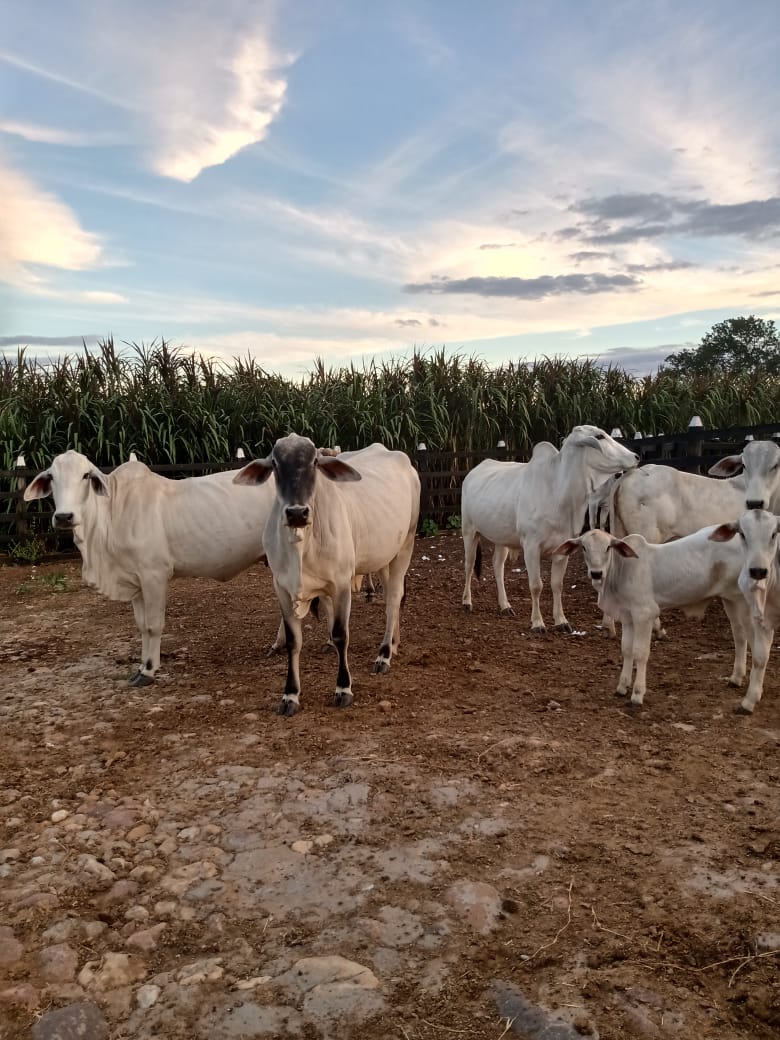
631,217
405,323
37,228
48,341
203,121
527,288
639,361
498,245
55,135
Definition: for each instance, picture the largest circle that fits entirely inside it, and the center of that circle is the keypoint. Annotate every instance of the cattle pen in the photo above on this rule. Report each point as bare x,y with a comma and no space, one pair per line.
441,476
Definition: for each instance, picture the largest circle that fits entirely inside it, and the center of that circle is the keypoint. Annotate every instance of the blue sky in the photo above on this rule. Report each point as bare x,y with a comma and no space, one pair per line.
347,180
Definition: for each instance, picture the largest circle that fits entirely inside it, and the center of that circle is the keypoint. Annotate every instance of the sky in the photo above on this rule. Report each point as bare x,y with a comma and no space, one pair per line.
345,180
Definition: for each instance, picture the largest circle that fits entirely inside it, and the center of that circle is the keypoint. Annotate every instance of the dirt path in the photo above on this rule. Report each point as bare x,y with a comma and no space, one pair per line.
487,840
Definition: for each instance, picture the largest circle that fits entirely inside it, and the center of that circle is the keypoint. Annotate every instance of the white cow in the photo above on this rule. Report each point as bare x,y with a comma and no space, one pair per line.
136,530
636,580
534,506
332,519
759,581
662,503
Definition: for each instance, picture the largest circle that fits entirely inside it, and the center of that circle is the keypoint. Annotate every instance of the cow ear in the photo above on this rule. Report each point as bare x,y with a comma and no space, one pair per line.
335,469
255,472
567,548
38,488
622,548
723,533
728,467
98,482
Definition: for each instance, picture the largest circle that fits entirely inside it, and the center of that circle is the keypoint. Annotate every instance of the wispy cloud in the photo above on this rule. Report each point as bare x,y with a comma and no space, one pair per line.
56,135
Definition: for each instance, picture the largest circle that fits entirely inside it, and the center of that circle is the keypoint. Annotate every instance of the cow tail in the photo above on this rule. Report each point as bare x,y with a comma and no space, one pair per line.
478,561
613,509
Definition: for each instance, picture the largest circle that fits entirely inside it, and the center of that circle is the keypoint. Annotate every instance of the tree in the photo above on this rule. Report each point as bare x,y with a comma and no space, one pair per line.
738,346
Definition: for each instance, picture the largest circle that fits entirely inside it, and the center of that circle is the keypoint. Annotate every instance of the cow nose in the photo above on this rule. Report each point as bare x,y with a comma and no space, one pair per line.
63,519
755,503
635,455
596,575
297,516
758,573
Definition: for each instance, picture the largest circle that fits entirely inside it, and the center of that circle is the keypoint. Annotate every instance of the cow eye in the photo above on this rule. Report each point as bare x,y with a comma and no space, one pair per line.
86,476
600,436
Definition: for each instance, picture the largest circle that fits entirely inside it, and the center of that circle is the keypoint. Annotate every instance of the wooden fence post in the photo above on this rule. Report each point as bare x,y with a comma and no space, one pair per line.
21,525
695,446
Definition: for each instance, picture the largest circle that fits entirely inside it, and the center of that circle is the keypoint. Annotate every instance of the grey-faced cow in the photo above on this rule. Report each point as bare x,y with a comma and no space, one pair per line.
332,519
534,506
136,530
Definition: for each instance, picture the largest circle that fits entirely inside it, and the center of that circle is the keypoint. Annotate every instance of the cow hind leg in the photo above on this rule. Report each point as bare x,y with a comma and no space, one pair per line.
470,546
500,553
533,564
736,615
395,592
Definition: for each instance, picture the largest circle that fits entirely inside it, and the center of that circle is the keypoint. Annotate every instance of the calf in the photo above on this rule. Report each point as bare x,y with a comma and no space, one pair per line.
759,581
636,580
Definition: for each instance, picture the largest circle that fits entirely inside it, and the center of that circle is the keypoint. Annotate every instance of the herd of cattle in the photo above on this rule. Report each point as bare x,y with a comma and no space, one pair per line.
322,520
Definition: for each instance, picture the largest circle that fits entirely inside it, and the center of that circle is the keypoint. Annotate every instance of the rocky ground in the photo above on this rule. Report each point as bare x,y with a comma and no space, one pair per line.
487,844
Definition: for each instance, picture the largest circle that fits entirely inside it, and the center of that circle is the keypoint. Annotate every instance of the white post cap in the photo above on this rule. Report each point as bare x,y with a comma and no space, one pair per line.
240,453
20,463
616,432
695,422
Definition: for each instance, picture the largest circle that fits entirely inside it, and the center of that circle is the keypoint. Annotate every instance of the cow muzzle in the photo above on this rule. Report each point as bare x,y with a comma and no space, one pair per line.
596,575
758,573
755,503
297,516
64,520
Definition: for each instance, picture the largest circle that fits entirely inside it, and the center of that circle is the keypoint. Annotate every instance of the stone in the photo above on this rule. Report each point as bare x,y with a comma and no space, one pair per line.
303,847
334,988
58,963
141,831
146,996
119,819
83,1021
22,995
90,865
208,970
146,939
11,950
114,971
477,902
254,982
59,815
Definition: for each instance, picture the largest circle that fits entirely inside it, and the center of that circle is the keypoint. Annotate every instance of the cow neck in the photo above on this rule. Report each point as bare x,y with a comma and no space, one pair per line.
571,484
93,539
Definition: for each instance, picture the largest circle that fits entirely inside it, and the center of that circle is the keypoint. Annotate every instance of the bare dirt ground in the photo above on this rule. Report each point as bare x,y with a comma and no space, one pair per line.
487,844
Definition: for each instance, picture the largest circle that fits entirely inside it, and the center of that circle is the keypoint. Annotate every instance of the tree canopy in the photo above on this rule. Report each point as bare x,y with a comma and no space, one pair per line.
738,346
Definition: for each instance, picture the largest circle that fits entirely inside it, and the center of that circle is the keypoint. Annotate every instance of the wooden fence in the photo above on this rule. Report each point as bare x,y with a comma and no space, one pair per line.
441,476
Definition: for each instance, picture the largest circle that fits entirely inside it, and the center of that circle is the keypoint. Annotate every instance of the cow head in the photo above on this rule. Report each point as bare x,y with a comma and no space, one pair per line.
757,530
604,454
295,463
72,480
596,547
760,462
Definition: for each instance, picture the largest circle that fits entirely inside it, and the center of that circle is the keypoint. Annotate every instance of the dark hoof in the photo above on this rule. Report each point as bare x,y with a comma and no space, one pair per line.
287,707
539,630
328,648
507,612
739,710
467,608
381,666
564,628
141,679
342,699
272,651
633,708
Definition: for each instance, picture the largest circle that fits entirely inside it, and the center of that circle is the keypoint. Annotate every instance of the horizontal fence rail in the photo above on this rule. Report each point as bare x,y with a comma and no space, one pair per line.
441,477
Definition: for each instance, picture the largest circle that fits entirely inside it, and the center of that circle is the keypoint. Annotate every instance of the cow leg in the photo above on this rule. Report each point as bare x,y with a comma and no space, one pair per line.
735,612
395,580
761,647
557,574
153,596
291,699
643,634
627,652
533,564
500,553
342,604
470,542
